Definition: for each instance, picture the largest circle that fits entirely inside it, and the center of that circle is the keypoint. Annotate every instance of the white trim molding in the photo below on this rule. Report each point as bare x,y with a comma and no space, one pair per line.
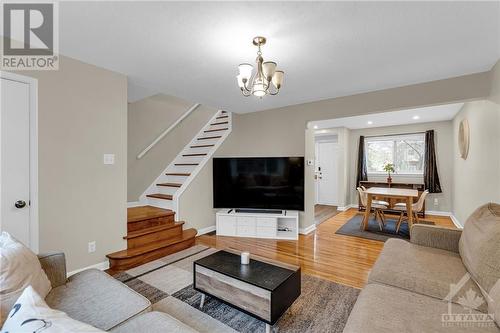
100,266
456,222
34,233
307,230
206,230
132,204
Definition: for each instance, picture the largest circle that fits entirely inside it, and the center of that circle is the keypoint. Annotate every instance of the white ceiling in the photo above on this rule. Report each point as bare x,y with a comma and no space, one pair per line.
327,49
403,117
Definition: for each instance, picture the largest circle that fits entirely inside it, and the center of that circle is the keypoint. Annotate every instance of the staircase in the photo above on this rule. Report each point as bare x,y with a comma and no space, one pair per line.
165,191
152,231
151,234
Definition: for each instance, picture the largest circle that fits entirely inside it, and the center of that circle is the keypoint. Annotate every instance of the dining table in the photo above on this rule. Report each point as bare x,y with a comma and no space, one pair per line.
389,192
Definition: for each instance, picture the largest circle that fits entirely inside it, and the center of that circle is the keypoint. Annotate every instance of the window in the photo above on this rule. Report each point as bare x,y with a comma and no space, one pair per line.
406,152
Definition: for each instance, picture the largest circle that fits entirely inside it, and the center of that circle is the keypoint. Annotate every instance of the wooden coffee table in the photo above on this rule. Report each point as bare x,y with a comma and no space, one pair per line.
264,289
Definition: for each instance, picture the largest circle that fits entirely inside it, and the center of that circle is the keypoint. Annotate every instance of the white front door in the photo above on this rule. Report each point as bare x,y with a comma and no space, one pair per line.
327,173
15,159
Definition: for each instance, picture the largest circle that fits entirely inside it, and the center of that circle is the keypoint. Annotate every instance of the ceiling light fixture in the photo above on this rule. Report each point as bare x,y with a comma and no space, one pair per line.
315,126
416,117
266,76
370,122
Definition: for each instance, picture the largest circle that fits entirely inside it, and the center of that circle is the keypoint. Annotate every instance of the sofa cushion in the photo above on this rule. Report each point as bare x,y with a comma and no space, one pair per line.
31,314
153,322
424,270
382,308
19,268
479,245
95,298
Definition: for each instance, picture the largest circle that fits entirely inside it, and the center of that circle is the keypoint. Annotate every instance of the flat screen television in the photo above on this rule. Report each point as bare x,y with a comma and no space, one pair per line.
259,183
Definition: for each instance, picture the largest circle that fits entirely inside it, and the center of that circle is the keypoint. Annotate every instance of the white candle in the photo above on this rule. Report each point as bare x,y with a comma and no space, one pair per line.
245,258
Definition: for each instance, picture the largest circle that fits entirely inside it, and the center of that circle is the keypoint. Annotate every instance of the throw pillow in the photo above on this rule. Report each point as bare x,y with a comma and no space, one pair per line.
19,268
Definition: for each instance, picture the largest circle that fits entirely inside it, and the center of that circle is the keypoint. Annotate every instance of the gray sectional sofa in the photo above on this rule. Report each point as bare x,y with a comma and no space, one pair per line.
443,280
95,298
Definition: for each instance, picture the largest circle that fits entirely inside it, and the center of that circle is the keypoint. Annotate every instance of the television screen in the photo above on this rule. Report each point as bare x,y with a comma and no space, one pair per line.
259,182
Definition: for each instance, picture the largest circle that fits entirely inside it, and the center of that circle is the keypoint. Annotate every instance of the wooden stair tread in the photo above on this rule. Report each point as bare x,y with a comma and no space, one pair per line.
160,196
201,146
169,184
220,123
178,174
150,230
129,253
210,137
216,130
186,164
142,213
197,154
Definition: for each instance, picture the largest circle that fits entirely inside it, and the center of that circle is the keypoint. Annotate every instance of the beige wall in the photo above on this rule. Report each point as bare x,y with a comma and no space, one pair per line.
477,179
82,114
444,147
281,132
148,118
196,203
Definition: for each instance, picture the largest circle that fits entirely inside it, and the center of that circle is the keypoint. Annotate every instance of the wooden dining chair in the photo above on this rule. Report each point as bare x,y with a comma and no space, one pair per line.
416,208
376,207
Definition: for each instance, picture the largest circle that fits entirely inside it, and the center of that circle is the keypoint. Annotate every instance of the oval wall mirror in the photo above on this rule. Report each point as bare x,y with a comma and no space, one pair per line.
463,138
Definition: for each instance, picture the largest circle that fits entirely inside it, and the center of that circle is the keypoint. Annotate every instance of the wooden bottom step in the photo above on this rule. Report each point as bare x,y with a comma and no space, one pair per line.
153,234
126,259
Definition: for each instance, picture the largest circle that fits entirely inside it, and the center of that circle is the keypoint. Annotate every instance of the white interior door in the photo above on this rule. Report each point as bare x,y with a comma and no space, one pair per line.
15,159
327,173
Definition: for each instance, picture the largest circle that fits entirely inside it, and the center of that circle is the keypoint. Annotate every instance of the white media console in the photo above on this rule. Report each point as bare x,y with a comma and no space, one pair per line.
260,225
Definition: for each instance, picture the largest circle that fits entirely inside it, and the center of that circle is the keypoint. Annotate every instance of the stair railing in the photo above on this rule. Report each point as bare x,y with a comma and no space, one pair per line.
168,130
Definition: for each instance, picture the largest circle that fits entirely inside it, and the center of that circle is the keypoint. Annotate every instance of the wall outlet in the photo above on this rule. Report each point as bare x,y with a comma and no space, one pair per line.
91,247
436,201
109,159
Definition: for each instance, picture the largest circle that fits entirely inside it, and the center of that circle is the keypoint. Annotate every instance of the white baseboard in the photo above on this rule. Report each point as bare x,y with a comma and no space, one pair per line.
206,230
134,204
305,231
456,222
438,213
101,266
342,208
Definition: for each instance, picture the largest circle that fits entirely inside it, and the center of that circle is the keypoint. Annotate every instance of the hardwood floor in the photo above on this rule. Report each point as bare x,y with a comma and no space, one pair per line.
322,253
323,213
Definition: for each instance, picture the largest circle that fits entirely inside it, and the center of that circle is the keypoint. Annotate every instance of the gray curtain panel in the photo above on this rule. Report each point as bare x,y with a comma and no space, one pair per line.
362,171
431,177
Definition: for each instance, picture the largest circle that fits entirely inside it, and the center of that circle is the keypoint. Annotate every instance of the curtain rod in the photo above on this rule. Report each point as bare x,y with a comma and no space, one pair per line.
375,136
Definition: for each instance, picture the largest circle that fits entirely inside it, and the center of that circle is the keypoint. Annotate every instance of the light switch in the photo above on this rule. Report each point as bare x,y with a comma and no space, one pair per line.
109,158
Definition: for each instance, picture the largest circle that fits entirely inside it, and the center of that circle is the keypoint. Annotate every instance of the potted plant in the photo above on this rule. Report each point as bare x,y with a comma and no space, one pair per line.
389,168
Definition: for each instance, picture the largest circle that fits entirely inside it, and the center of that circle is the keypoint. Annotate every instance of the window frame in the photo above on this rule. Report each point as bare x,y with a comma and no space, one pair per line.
394,137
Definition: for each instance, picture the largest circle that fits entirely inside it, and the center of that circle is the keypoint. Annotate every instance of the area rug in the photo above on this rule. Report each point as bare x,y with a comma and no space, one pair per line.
323,306
352,228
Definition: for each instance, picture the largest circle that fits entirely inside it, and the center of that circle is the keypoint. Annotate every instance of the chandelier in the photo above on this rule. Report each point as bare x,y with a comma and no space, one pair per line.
267,80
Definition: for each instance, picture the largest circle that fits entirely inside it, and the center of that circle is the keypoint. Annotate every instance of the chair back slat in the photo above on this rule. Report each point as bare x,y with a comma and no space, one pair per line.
420,203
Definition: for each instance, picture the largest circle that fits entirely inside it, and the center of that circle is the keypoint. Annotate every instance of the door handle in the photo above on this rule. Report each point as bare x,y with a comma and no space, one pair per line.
20,204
